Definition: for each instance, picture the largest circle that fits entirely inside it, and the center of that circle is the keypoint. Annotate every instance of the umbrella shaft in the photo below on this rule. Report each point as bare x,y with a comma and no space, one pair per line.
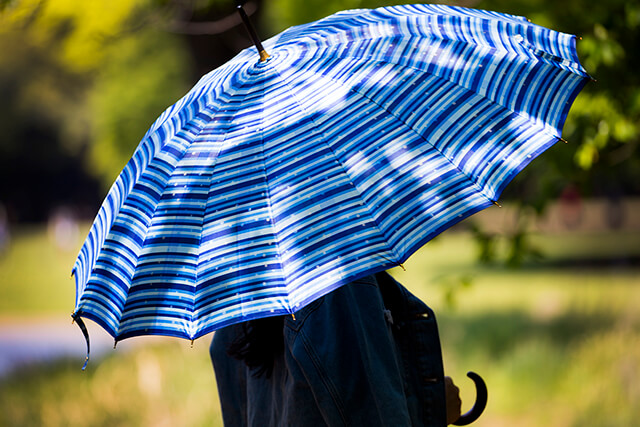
252,32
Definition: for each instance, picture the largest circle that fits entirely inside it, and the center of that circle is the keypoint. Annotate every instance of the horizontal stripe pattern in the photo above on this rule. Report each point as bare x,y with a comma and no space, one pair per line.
364,135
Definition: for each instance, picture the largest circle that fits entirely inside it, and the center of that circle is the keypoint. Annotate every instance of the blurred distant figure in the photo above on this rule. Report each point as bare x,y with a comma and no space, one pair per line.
615,214
571,207
63,229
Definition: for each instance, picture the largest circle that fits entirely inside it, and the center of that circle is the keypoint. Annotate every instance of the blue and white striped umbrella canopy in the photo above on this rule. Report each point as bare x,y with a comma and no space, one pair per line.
363,136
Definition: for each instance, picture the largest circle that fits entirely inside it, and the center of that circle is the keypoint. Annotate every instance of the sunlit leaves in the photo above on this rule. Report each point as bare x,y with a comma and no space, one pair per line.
140,78
83,27
600,49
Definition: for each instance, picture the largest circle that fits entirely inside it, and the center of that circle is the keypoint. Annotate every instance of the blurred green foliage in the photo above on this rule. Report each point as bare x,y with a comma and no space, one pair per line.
43,127
82,29
130,91
80,84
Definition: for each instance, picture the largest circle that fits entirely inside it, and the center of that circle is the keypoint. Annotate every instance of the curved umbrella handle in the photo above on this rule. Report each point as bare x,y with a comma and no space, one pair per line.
481,401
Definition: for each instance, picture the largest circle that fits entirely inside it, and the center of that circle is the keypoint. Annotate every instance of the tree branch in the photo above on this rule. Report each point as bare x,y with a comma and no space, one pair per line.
208,27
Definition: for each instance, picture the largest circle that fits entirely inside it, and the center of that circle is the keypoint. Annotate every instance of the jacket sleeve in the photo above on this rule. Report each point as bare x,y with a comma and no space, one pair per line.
231,378
343,347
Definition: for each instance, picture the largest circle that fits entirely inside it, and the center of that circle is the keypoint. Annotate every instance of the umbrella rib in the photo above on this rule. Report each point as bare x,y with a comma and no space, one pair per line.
152,215
390,249
268,200
135,267
212,167
230,94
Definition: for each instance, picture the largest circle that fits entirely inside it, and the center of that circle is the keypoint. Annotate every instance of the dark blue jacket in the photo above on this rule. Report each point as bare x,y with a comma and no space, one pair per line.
366,354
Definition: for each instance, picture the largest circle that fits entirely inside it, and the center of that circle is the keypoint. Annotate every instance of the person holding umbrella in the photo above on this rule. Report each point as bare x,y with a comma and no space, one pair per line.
367,353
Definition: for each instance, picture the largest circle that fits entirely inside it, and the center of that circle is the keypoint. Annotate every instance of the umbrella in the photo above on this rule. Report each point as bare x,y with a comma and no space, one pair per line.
341,150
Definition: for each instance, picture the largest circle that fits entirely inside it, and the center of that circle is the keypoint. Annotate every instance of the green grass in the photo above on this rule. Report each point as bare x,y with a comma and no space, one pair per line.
35,274
159,385
558,341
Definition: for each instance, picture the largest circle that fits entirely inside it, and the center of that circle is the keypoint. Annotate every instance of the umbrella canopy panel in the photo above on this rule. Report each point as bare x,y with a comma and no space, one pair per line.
362,137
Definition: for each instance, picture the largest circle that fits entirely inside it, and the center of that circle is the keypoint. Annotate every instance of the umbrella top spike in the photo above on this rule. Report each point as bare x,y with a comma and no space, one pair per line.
252,32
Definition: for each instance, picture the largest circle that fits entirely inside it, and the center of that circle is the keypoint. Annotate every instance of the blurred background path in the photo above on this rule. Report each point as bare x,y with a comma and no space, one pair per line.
33,340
